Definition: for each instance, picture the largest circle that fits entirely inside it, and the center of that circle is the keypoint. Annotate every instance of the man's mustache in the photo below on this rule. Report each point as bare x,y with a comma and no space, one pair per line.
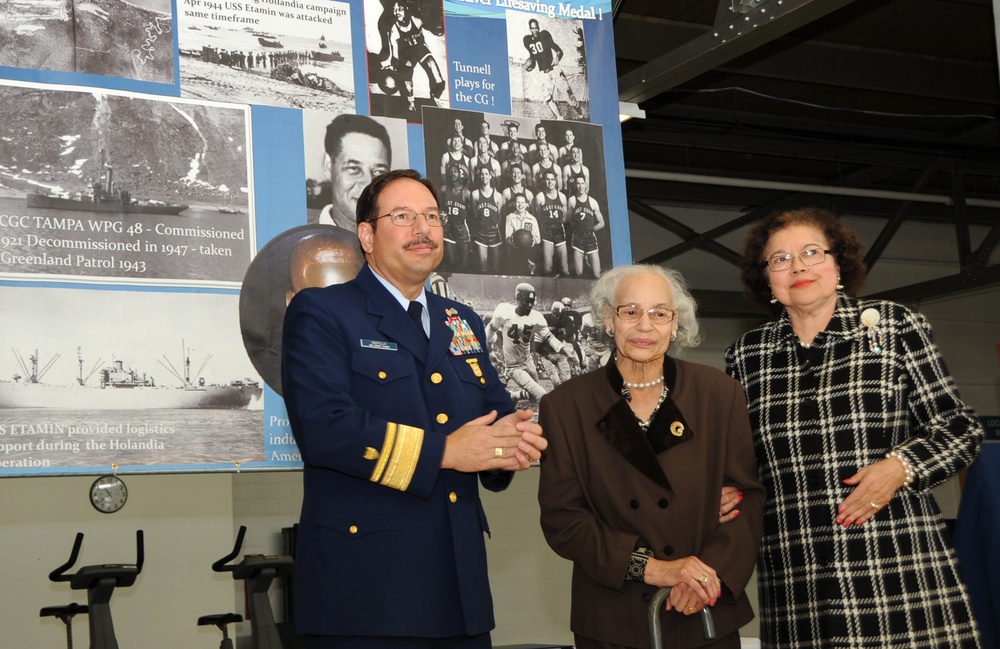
421,241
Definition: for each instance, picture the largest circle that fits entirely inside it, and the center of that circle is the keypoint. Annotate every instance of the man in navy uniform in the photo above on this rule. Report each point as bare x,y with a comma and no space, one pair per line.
399,415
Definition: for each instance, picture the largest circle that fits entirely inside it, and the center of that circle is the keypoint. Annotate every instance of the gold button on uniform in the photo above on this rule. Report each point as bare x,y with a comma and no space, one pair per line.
453,497
382,374
442,418
436,378
353,529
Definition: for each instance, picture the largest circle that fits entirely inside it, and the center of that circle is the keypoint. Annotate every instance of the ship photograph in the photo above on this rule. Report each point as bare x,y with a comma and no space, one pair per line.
116,386
124,188
104,195
135,377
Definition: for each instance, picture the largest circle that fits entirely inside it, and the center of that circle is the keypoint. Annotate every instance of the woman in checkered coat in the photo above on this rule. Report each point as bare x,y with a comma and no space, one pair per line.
855,418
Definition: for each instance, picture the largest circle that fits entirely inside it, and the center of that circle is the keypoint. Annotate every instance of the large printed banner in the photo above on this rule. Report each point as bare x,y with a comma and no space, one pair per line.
172,173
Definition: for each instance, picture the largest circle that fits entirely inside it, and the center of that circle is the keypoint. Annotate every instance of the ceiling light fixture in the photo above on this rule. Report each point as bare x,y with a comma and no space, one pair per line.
627,110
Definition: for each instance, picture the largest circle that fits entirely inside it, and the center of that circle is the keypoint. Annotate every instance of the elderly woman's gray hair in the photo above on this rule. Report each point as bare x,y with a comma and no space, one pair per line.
604,290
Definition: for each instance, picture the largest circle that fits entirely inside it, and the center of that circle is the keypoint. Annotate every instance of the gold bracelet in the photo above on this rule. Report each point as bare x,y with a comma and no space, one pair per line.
911,474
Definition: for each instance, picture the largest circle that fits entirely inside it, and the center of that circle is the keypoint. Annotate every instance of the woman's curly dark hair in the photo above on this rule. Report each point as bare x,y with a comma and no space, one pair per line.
845,245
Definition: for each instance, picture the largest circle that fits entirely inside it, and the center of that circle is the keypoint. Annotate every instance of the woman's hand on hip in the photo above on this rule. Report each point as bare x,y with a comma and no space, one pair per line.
874,487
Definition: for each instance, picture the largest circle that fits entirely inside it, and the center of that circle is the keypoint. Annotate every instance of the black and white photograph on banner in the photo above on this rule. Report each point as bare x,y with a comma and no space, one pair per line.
95,377
532,199
407,58
304,256
538,329
113,38
145,190
343,153
268,54
548,67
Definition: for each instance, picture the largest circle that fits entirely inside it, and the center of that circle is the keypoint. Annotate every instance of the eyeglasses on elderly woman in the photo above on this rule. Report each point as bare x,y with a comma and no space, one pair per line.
658,315
808,257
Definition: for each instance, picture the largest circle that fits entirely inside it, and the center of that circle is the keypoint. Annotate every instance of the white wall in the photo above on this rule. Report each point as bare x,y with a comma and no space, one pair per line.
190,521
187,523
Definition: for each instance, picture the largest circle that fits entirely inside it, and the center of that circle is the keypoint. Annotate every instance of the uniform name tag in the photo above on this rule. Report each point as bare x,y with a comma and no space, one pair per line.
379,344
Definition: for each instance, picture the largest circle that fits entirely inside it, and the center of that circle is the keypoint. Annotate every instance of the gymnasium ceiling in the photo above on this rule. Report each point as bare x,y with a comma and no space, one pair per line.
888,110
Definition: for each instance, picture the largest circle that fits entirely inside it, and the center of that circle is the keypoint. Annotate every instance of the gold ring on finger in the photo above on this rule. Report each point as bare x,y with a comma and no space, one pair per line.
690,609
498,451
874,504
703,579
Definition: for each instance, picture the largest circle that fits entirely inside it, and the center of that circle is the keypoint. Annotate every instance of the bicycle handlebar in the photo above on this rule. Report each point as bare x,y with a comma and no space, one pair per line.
59,574
220,565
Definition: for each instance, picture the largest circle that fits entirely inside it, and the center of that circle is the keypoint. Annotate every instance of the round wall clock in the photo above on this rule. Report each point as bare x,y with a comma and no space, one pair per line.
108,494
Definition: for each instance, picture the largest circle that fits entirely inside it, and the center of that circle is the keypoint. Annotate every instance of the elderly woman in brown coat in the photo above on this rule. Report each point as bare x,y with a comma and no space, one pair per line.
638,452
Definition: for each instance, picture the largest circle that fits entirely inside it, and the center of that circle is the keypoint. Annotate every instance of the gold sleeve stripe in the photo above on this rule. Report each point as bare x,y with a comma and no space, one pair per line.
390,439
404,455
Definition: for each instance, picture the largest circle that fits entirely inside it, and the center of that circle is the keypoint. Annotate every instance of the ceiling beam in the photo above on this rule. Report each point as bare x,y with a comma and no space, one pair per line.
662,132
890,228
673,225
945,286
722,44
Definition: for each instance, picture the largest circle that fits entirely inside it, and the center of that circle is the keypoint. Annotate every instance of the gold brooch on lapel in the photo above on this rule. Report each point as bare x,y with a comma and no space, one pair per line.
677,429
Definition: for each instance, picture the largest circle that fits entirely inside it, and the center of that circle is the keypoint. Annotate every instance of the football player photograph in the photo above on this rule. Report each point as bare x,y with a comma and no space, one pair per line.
406,57
551,80
400,418
512,330
342,155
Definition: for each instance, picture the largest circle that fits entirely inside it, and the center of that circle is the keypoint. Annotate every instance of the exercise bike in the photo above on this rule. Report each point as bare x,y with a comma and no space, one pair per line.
258,571
100,582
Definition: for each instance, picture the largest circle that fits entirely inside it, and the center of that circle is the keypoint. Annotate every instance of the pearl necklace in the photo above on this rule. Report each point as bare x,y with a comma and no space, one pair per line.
644,423
647,384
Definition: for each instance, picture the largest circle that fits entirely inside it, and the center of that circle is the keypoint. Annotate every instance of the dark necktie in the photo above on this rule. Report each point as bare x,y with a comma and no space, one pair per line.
415,310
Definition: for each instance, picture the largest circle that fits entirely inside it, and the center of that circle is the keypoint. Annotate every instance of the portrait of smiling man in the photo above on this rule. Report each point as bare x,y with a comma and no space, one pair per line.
343,155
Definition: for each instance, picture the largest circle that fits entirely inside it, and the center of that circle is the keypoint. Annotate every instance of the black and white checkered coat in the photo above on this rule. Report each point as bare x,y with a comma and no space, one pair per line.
821,413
